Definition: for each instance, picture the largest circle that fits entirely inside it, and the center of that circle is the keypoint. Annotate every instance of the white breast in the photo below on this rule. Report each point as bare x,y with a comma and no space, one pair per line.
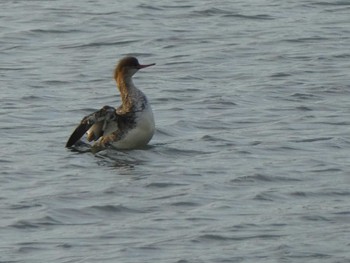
141,134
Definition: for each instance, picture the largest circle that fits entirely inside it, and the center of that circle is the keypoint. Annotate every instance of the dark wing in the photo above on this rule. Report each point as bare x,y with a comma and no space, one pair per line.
96,122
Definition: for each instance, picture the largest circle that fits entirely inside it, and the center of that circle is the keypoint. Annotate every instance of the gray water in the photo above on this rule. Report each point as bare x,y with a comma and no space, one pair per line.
250,161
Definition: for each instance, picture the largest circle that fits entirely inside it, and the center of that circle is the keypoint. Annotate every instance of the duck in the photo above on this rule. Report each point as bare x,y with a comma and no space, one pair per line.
129,126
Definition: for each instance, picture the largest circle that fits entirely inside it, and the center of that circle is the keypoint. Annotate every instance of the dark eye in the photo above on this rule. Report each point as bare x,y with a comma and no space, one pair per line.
135,62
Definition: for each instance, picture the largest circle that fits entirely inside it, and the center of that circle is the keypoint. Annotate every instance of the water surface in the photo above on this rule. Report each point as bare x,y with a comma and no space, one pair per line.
250,161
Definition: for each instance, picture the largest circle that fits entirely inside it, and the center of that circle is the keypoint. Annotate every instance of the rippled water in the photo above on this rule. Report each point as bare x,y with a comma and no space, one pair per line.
250,162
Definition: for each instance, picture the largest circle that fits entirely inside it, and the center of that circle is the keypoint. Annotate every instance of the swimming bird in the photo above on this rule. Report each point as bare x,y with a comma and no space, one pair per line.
129,126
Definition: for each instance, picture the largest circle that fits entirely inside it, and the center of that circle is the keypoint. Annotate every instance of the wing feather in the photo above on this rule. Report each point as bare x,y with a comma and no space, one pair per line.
95,124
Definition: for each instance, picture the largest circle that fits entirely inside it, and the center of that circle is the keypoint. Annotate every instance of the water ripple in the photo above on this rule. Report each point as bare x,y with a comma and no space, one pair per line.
250,159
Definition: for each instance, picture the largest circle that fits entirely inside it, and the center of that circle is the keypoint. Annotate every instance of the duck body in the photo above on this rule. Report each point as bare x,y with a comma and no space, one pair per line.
129,126
135,127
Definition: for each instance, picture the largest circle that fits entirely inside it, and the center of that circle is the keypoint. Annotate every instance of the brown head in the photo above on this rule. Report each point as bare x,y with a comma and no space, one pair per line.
127,67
